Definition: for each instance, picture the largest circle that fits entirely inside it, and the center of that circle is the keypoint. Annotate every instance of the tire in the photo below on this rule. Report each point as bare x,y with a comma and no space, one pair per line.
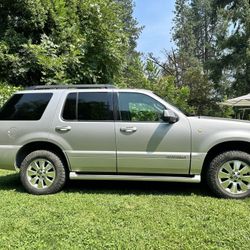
228,175
42,172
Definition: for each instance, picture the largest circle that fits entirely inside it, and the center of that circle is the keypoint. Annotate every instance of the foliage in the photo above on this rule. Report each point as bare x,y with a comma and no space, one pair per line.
51,42
131,25
194,29
101,215
232,39
143,112
193,33
147,75
77,42
6,91
196,26
133,75
214,37
178,96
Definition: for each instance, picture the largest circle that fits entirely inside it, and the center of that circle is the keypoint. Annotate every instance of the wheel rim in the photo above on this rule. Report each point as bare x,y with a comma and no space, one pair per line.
234,177
41,173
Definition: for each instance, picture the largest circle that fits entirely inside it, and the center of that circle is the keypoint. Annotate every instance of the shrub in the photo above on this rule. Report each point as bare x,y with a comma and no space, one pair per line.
6,91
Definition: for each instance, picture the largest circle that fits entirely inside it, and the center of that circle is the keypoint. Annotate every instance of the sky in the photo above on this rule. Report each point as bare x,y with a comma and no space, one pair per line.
156,16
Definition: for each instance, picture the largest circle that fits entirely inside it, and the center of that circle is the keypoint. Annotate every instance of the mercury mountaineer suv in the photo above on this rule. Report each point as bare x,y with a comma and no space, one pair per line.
99,132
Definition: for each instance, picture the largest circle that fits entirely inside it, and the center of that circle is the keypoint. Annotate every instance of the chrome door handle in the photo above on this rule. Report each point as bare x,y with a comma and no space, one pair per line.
63,128
128,129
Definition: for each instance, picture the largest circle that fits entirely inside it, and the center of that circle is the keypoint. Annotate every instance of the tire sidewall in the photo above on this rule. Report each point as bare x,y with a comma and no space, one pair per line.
215,165
60,177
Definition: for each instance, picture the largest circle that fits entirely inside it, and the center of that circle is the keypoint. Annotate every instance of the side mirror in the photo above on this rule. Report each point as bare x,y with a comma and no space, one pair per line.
169,116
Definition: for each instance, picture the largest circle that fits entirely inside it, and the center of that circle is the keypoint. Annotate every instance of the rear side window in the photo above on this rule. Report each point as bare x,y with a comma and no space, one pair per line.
25,107
89,106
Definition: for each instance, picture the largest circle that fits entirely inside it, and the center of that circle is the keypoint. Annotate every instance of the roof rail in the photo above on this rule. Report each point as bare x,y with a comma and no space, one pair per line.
82,86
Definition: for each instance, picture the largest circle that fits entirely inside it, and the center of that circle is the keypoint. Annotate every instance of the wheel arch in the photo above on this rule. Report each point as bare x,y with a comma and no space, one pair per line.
40,145
221,148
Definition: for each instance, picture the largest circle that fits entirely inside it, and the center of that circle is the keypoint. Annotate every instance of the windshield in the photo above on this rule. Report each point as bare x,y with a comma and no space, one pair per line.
165,98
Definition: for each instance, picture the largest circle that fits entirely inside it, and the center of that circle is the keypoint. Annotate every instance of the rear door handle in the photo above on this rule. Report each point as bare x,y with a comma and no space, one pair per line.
63,128
128,129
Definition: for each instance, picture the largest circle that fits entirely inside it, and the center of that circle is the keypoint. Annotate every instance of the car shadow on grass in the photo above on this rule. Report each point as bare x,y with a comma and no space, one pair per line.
12,182
136,188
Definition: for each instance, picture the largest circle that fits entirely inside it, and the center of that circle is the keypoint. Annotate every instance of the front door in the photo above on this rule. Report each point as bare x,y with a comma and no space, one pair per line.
146,144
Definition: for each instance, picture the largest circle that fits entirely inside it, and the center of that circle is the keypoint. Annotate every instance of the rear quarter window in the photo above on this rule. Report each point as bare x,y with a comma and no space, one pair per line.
25,107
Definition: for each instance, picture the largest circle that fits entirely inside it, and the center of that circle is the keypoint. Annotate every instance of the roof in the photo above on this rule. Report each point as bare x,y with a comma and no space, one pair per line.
82,86
78,88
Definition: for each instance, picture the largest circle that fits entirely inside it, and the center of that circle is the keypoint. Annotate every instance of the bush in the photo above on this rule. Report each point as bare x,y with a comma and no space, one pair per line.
6,91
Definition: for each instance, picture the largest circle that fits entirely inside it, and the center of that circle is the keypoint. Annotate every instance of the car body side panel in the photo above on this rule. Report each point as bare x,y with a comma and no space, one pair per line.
89,145
197,160
15,134
207,133
85,152
8,156
155,147
94,149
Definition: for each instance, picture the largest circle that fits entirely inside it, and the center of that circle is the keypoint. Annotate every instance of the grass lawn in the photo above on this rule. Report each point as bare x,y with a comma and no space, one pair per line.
121,215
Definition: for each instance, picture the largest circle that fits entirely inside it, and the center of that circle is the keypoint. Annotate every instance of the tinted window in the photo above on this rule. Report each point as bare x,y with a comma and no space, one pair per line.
139,107
25,106
95,106
69,112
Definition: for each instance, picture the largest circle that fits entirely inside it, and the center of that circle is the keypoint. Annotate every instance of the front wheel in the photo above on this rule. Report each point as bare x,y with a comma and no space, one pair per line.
229,175
42,172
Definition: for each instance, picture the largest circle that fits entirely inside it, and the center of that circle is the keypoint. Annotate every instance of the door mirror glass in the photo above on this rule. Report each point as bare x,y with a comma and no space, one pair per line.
169,116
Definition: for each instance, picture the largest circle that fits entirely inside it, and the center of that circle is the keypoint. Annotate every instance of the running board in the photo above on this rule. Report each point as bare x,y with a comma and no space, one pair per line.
192,179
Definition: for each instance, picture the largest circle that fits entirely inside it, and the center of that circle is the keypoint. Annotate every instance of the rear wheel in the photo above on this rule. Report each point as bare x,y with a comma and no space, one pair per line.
229,175
42,172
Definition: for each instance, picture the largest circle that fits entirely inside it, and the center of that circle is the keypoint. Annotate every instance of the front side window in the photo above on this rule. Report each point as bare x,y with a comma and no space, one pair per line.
88,106
25,107
137,107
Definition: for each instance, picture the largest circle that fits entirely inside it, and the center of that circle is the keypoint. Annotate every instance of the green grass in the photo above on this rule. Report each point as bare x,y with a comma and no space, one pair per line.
121,215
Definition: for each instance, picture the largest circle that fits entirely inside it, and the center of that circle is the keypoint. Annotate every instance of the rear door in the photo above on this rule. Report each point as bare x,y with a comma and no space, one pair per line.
86,126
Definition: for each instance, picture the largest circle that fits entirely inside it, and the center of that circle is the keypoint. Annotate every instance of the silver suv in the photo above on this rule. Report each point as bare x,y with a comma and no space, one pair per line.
99,132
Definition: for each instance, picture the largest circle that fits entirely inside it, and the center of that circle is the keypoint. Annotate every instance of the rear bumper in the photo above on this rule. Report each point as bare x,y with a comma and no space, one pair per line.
8,156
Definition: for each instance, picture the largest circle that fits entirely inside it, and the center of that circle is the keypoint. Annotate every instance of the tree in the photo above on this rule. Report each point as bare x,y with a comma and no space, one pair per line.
132,73
147,75
65,41
130,23
232,39
195,28
194,32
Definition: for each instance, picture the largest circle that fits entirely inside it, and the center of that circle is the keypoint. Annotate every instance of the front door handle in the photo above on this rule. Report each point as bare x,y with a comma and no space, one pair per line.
63,128
128,129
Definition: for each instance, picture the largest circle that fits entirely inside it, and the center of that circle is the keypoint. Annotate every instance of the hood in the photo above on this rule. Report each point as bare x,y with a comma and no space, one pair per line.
210,118
214,124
